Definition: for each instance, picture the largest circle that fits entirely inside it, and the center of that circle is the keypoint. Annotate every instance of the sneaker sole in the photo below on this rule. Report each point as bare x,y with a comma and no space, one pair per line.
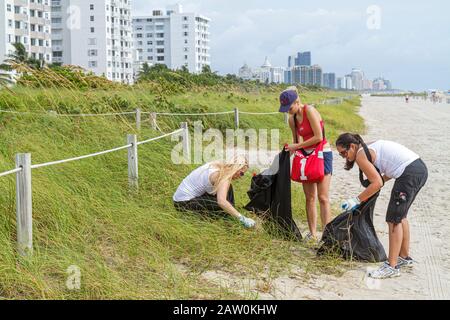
396,275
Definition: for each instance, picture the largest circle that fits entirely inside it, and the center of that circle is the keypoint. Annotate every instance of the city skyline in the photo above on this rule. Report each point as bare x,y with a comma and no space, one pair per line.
341,35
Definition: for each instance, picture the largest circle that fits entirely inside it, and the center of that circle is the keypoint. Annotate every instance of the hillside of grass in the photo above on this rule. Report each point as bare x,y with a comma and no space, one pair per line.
128,245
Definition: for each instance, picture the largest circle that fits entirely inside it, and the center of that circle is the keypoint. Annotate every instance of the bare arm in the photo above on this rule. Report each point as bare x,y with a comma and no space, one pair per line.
222,193
372,175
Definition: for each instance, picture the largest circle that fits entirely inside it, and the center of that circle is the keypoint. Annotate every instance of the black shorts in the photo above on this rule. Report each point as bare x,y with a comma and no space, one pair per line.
206,204
405,190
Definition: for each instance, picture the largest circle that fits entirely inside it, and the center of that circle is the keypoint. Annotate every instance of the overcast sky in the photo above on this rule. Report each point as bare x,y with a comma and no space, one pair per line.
409,43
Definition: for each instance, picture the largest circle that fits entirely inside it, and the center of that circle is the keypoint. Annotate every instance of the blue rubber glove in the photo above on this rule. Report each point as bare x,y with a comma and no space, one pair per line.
247,222
351,204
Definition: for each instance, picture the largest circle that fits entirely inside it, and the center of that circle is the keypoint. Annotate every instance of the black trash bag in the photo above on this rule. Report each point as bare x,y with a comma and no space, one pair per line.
352,234
270,195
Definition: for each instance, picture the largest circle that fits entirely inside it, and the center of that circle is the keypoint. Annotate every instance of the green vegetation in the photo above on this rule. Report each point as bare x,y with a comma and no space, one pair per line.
134,245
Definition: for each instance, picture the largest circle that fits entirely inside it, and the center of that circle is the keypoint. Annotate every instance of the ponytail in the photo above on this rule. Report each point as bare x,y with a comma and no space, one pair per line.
345,140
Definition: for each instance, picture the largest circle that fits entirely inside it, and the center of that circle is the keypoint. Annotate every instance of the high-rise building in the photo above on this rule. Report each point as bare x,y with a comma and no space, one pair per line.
26,22
357,79
303,59
291,61
306,75
315,77
298,75
173,38
95,35
367,84
245,72
388,84
265,74
329,80
288,76
340,83
349,82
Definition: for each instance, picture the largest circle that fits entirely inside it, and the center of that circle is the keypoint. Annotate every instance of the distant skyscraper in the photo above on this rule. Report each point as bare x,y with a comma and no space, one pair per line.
291,61
307,75
265,74
367,84
357,79
340,83
315,75
348,82
288,76
303,59
245,72
388,84
329,80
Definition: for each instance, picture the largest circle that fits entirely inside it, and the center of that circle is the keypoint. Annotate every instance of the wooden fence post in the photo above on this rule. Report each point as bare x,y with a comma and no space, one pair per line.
138,119
236,118
132,162
186,143
153,120
24,214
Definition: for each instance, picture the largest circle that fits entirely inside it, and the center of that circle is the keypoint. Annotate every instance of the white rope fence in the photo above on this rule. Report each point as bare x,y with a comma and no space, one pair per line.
189,114
36,166
95,114
139,112
258,113
23,181
10,172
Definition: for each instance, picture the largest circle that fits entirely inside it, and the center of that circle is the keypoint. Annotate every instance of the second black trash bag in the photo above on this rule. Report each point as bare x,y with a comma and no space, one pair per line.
270,195
353,235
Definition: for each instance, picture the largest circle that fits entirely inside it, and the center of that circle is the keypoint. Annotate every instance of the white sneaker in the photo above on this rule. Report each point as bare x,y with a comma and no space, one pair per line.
385,272
405,262
309,239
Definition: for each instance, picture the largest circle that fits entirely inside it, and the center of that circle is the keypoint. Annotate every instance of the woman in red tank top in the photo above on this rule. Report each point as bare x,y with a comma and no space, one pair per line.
309,133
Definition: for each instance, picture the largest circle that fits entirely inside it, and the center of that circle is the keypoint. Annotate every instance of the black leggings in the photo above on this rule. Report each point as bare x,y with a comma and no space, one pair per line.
206,203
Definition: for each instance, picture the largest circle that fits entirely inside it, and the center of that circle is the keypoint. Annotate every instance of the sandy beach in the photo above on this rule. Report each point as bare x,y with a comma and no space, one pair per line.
423,127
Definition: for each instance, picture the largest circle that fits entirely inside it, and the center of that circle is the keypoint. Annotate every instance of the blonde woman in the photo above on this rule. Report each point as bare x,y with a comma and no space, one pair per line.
307,130
208,189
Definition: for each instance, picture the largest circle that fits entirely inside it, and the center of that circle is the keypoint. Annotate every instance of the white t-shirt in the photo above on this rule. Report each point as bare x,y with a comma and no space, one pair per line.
195,184
392,158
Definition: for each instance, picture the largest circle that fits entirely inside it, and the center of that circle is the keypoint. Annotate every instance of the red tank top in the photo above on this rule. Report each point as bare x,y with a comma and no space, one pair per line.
305,130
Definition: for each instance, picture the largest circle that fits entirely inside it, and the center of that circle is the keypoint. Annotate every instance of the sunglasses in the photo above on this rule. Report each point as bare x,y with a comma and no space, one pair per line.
241,173
344,153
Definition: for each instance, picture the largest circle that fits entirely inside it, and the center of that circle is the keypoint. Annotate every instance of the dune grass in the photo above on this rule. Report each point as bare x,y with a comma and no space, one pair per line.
133,245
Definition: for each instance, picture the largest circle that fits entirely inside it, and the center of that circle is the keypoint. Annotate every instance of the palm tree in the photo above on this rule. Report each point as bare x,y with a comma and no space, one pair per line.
20,57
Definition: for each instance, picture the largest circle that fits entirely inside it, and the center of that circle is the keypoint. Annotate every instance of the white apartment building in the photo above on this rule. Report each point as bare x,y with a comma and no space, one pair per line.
95,35
27,22
173,38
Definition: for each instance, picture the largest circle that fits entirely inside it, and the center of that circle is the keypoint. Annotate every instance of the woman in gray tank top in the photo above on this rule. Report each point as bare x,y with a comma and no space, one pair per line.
389,160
